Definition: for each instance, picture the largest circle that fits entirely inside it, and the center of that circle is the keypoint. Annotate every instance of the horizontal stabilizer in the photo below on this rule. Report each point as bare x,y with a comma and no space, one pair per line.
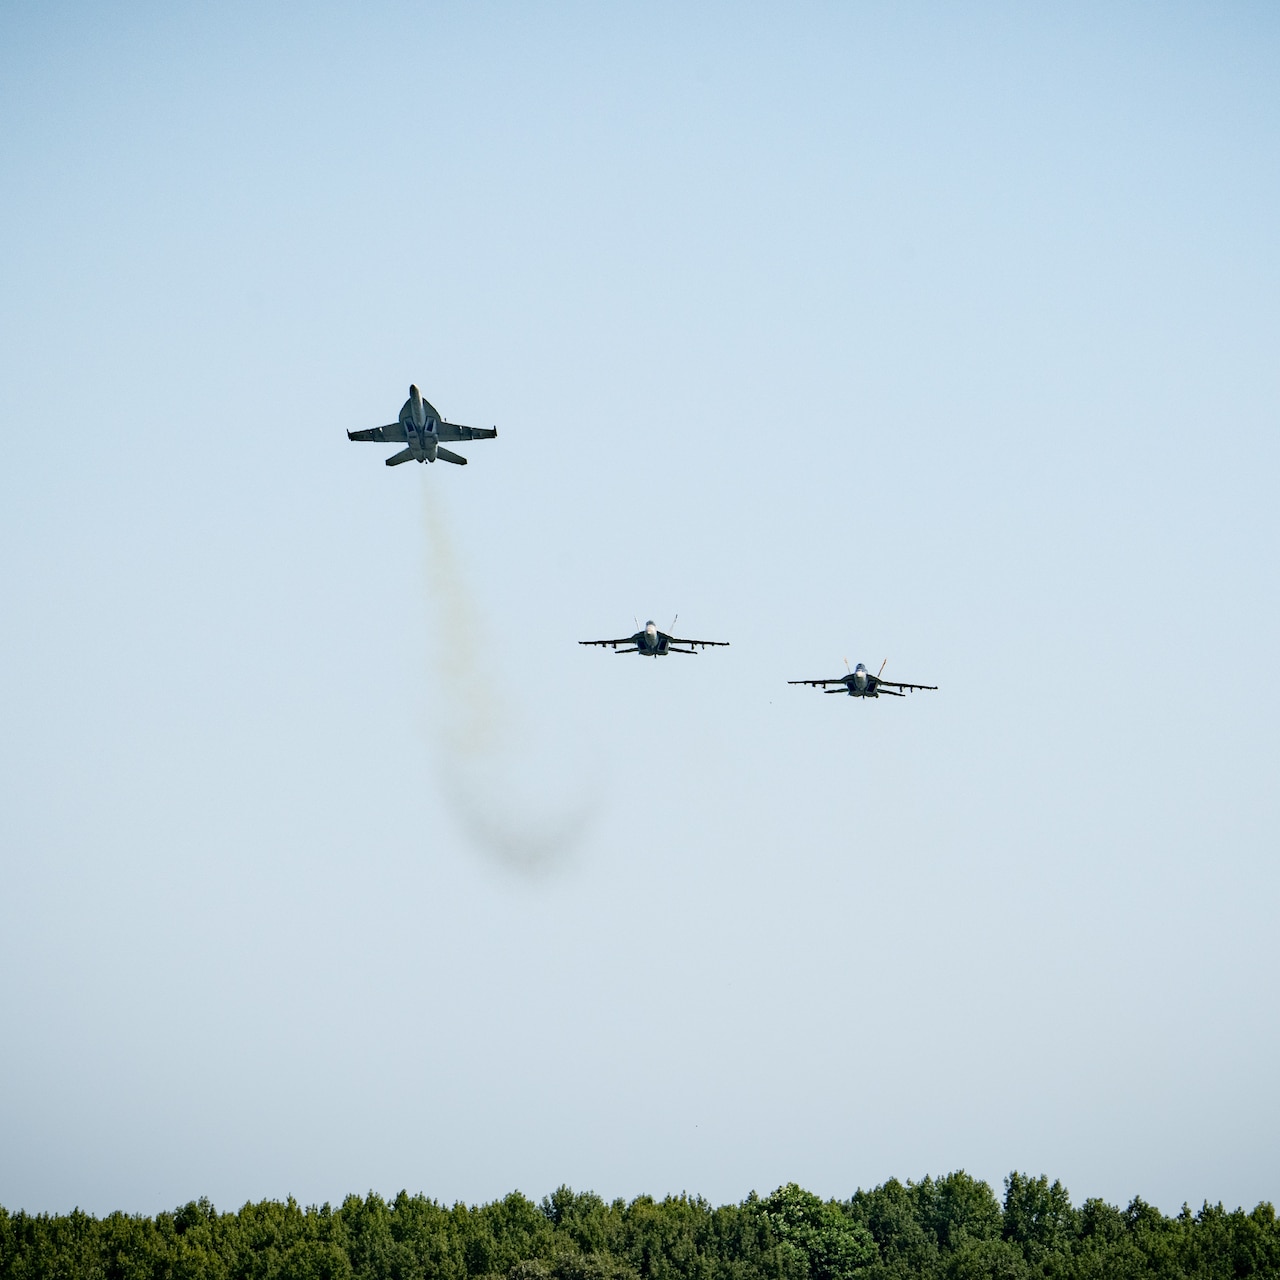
405,455
446,455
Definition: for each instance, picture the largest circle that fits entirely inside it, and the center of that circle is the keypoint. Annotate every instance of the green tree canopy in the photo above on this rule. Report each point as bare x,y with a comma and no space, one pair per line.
947,1228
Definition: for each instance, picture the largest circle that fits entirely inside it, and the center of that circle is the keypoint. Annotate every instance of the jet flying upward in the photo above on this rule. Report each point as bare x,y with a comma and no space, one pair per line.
860,683
421,428
652,643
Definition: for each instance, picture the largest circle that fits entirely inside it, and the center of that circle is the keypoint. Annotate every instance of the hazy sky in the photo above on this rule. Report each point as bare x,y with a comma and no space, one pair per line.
329,861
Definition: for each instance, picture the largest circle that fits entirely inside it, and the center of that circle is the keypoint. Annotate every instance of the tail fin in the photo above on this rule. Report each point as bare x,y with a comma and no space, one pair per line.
405,455
447,456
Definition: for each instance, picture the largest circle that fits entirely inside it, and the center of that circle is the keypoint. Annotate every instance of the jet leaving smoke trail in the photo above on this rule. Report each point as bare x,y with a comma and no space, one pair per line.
483,773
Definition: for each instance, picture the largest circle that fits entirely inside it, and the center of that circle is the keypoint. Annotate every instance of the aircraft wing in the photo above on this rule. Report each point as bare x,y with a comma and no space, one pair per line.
635,639
719,644
833,680
450,431
392,433
902,684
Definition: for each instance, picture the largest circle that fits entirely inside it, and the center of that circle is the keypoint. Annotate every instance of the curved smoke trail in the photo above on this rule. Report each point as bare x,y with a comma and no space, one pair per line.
485,758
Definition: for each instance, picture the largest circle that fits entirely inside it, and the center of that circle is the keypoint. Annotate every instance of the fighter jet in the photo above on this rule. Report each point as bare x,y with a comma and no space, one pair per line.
652,643
860,683
423,430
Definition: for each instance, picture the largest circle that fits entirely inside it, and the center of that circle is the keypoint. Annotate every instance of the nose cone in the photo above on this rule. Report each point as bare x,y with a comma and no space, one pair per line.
650,627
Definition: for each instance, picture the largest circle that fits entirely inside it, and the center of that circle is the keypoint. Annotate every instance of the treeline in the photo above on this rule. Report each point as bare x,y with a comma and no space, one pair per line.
952,1228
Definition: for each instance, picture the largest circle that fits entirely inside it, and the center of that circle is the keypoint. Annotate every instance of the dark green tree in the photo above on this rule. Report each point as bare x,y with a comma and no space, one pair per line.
830,1243
1038,1217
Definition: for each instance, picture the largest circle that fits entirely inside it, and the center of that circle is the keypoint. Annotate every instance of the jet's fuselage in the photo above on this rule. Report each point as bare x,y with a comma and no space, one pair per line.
415,407
652,642
861,683
421,426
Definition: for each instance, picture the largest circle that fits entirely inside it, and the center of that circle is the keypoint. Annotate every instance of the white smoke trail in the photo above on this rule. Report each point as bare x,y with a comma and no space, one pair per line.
489,770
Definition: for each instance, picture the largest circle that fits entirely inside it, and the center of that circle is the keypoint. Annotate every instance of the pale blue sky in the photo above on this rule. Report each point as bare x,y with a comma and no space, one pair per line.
937,334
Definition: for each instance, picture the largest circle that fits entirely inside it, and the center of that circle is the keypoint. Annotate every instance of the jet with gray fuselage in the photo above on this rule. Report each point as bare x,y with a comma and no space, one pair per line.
860,683
423,431
652,643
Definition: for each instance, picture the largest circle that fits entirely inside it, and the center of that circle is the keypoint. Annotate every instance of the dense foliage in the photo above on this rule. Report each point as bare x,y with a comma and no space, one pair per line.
953,1228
